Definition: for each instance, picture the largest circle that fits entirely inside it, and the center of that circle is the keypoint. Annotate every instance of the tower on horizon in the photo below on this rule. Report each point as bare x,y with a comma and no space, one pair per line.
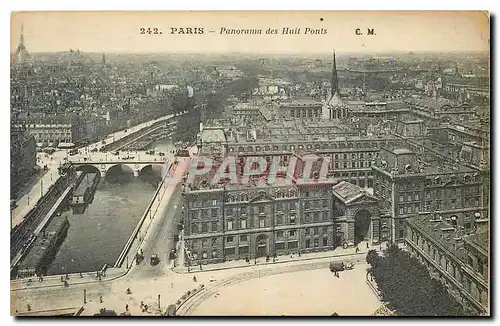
22,54
334,107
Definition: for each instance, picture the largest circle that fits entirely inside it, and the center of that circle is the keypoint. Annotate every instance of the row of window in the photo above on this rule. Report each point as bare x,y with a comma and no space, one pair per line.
339,145
244,249
451,268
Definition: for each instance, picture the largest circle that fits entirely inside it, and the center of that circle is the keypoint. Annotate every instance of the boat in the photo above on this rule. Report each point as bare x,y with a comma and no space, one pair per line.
44,248
84,193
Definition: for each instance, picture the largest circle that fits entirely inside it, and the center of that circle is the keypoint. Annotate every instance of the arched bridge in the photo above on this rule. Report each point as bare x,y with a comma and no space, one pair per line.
104,162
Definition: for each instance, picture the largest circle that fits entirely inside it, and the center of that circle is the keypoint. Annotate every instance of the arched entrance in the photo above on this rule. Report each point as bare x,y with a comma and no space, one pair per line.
261,246
362,221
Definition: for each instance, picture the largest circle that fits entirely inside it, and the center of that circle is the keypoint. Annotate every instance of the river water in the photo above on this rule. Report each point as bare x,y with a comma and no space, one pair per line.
97,236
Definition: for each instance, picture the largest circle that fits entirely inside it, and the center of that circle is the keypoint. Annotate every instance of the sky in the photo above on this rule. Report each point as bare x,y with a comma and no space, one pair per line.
436,31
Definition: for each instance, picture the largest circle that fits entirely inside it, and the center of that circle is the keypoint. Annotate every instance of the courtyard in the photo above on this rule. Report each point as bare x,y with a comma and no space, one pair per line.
312,292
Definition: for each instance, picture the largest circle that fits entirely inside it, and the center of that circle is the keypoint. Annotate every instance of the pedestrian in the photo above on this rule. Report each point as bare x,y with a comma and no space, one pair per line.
100,299
67,276
126,307
367,245
142,304
194,278
357,249
62,278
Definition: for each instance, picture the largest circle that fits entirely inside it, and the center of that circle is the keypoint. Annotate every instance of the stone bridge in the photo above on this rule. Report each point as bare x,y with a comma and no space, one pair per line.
136,166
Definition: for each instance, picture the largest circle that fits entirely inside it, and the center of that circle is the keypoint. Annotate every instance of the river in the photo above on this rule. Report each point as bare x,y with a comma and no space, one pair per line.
97,236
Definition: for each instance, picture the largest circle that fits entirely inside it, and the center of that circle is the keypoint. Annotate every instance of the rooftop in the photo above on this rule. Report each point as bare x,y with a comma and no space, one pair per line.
348,192
443,232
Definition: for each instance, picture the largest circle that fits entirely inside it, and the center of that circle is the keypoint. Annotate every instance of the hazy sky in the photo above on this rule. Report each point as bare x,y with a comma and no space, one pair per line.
120,31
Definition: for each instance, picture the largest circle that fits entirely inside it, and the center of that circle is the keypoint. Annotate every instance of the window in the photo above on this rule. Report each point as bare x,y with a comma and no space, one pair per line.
279,219
261,210
279,207
401,198
279,234
262,223
205,255
229,225
325,216
204,227
325,203
308,231
308,243
325,242
292,219
416,196
204,213
316,216
230,239
243,250
307,205
480,268
194,228
230,211
243,224
214,212
214,226
345,156
316,242
204,243
470,261
243,238
214,202
353,164
293,233
307,217
345,165
214,254
194,214
293,206
316,231
325,230
243,210
401,210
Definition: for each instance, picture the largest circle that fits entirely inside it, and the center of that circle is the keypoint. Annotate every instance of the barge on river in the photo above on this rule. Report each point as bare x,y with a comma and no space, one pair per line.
84,192
44,248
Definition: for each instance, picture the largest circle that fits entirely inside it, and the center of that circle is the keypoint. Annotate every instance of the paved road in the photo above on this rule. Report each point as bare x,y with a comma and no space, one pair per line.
160,236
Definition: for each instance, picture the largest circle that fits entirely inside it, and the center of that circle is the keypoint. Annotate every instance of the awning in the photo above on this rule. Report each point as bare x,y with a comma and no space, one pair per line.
66,145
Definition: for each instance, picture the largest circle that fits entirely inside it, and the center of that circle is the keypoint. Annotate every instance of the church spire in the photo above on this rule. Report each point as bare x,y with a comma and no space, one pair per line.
335,81
21,40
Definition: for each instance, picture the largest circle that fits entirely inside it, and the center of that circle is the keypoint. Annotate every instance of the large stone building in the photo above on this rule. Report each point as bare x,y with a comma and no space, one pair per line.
292,213
405,186
457,257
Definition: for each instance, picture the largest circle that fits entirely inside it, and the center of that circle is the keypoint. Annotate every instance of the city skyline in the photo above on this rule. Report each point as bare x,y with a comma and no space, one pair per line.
119,32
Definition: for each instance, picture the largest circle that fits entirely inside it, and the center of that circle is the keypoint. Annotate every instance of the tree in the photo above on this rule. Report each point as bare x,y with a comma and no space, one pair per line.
406,286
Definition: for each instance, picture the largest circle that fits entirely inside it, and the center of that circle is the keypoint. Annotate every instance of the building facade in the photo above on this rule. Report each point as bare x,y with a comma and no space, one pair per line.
459,260
405,186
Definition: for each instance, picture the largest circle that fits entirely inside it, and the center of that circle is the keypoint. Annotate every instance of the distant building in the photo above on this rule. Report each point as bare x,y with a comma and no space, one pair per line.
334,107
49,130
460,260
